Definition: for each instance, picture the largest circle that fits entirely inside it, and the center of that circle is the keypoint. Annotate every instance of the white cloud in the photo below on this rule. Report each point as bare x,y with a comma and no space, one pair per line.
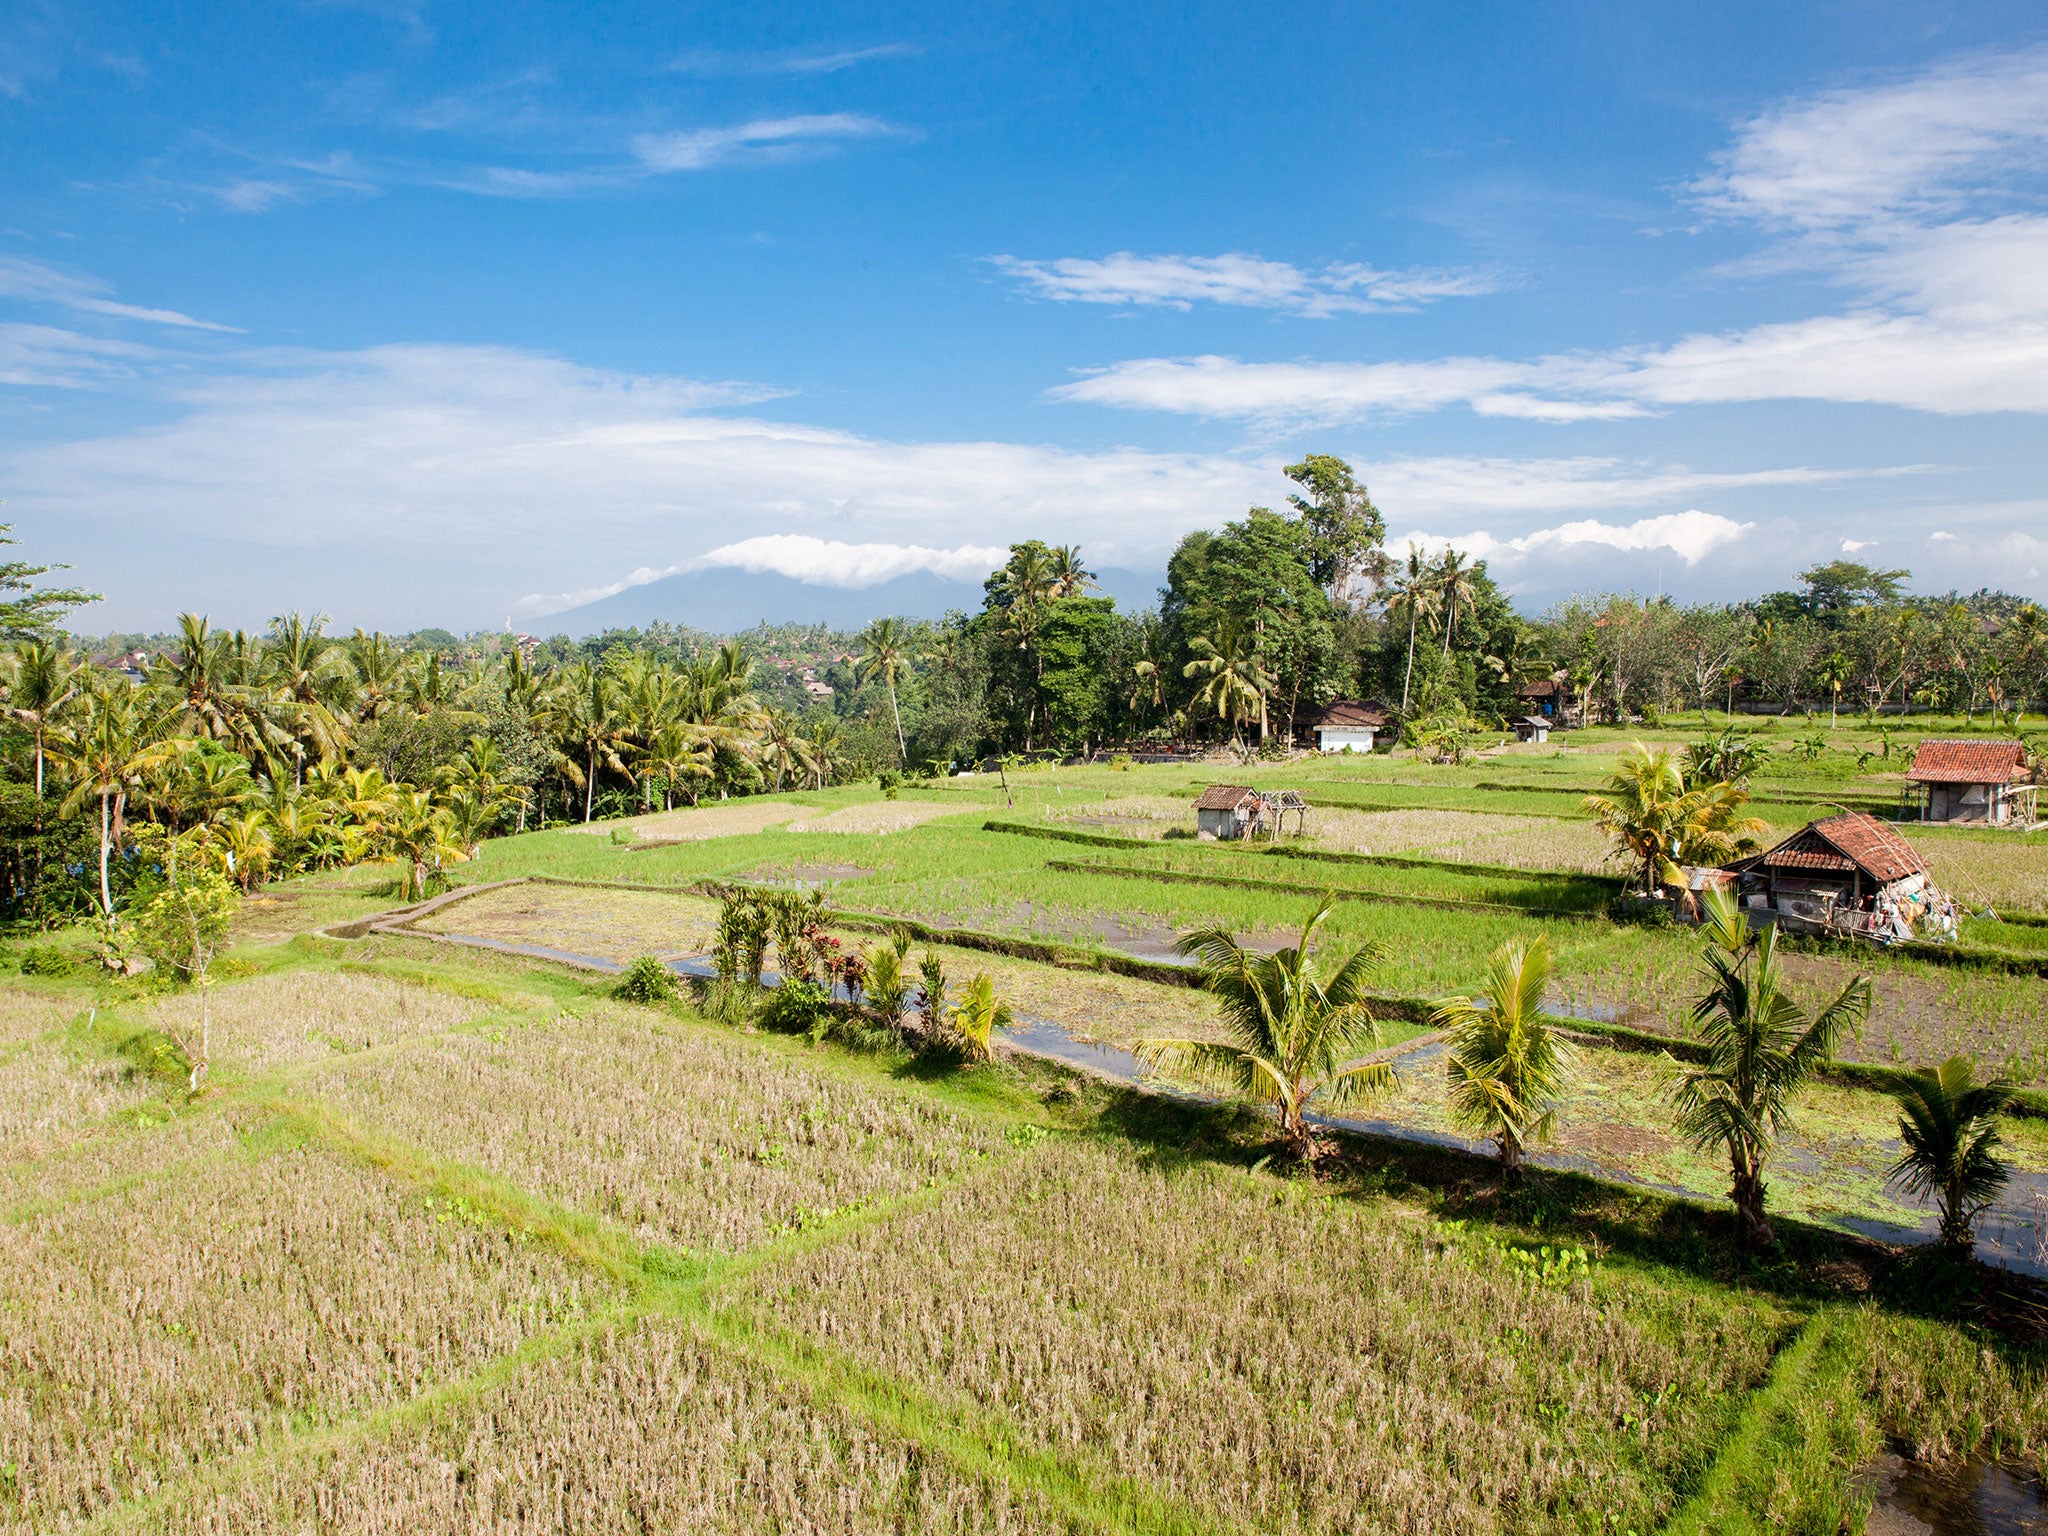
713,63
21,278
1508,488
46,357
1179,282
1850,546
1911,147
1691,536
1916,196
763,139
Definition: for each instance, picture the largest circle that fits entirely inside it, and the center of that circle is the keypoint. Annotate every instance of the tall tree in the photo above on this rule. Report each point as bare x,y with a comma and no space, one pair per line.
1346,534
1454,586
885,655
1415,593
124,735
29,610
1233,676
39,681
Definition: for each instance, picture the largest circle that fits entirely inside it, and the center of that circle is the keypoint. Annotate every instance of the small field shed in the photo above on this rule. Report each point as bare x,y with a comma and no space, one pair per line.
1349,725
1974,781
1225,811
1532,728
1846,874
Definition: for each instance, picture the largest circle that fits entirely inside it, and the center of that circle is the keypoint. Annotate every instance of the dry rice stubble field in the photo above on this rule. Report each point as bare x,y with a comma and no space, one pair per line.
1295,1364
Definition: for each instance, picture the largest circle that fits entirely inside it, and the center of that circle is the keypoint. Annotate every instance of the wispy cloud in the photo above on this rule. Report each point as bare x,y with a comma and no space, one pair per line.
1180,282
711,62
764,139
1691,535
21,278
1919,196
47,357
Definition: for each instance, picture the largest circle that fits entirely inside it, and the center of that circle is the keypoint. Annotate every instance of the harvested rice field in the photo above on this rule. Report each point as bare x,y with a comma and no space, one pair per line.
1281,1360
455,1240
682,1137
609,924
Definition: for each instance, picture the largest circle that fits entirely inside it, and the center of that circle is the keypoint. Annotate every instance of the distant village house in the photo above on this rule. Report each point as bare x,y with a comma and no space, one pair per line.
1349,726
1980,781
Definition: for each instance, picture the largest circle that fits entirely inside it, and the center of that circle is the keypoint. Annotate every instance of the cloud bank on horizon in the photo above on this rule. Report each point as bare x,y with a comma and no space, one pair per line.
1893,227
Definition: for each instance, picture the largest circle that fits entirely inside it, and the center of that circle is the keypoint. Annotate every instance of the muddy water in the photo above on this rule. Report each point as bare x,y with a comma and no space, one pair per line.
1978,1498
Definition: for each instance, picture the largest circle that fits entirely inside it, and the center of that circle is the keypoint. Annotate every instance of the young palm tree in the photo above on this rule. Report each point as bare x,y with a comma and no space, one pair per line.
41,681
1414,590
247,843
822,748
1507,1065
1761,1048
1296,1034
1234,677
885,654
419,837
1948,1125
977,1017
1655,820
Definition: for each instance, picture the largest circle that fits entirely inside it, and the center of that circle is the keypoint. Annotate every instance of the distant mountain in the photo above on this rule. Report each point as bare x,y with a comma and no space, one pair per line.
725,602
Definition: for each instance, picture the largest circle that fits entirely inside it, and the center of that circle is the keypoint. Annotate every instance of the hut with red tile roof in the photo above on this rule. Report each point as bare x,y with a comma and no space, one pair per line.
1974,781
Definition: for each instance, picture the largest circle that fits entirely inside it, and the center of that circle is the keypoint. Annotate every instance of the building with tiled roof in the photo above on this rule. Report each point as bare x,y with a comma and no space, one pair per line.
1349,725
1843,874
1974,781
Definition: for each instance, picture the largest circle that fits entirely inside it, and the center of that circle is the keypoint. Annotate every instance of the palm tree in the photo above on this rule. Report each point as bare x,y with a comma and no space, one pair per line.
1761,1048
821,747
593,723
123,738
977,1017
1234,678
1296,1035
677,753
418,836
41,681
1415,590
1654,819
782,745
1069,579
379,667
1948,1126
1507,1066
885,654
1453,580
1833,671
246,841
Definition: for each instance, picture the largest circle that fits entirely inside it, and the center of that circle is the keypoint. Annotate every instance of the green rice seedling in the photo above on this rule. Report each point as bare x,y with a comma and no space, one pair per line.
678,1132
1280,1360
643,1417
169,1323
647,980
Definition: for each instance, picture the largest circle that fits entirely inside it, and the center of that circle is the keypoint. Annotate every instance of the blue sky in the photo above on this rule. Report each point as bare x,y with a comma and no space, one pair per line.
417,314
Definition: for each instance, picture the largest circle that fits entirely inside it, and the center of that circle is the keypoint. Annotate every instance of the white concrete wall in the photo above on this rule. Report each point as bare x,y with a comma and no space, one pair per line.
1345,738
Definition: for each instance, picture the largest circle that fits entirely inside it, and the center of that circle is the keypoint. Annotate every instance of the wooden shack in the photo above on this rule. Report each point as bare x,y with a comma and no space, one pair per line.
1974,781
1846,874
1546,696
1226,811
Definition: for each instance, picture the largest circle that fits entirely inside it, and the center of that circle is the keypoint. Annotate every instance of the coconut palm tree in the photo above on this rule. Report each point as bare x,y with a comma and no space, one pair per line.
1948,1126
1295,1033
1415,591
1660,824
1069,578
1234,677
246,842
125,735
822,748
977,1017
40,682
593,724
885,654
1761,1046
1453,581
782,745
419,837
1507,1066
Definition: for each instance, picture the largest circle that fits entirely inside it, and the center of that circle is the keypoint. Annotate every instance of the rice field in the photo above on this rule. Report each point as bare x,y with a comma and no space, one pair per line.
1467,837
1987,869
679,1135
638,1426
877,819
1292,1363
161,1326
297,1017
697,823
609,924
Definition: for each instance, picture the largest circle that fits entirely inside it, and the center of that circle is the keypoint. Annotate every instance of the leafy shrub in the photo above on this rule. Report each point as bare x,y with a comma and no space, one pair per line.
931,976
890,782
797,1008
1634,910
623,836
47,960
647,980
